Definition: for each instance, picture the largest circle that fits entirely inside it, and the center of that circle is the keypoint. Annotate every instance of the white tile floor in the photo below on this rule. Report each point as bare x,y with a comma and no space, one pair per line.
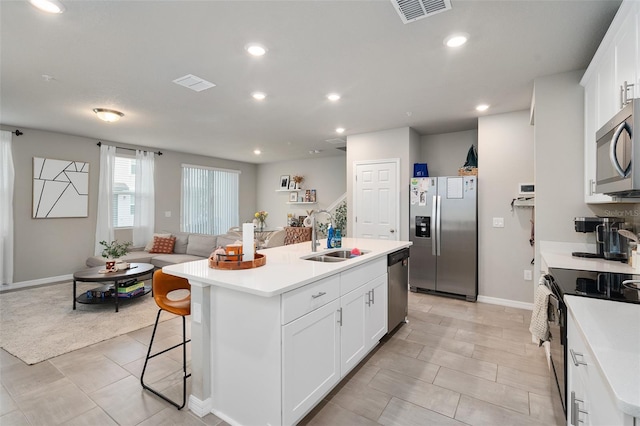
455,362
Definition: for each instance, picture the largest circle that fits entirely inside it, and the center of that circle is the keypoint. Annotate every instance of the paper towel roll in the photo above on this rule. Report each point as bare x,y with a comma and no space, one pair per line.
247,241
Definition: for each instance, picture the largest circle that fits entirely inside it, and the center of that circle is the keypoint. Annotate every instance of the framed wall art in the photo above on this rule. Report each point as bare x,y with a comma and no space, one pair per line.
284,182
60,188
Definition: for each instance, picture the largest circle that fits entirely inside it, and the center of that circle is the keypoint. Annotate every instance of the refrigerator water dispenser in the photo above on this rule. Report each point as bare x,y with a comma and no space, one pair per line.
423,226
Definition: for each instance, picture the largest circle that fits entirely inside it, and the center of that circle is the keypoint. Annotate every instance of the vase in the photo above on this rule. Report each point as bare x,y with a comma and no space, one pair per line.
297,185
261,226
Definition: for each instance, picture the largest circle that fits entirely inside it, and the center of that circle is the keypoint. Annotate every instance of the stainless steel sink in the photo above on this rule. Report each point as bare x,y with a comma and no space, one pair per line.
323,258
334,256
344,253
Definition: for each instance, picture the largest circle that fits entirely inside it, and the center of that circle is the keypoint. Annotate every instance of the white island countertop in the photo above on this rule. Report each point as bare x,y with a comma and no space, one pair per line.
285,269
615,342
558,255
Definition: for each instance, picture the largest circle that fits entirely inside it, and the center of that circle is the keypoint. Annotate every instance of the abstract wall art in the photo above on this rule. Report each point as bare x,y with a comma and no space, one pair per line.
60,188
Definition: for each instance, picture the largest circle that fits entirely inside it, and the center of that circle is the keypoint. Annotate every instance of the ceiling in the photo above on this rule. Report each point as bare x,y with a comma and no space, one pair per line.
125,54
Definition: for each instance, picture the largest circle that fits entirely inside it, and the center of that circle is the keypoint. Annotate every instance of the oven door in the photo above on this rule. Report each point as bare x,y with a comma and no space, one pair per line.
557,354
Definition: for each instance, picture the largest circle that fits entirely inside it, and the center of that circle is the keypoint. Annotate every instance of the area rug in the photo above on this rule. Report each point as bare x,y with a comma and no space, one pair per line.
39,323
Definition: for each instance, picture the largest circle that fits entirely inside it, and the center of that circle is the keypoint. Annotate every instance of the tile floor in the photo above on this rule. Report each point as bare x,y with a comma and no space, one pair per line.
454,363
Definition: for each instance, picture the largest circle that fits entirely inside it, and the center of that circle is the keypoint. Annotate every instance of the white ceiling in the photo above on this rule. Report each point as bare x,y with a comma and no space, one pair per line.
125,54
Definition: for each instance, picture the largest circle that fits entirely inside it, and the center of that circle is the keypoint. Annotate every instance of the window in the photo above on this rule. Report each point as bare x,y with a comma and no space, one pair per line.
124,189
210,200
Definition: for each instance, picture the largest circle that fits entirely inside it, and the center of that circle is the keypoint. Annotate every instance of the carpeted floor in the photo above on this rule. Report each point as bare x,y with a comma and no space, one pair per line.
39,323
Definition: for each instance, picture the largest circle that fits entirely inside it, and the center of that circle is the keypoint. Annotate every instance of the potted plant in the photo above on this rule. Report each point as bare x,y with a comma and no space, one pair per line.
113,251
298,180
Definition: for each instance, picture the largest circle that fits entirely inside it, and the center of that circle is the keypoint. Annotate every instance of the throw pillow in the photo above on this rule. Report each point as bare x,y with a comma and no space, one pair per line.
163,245
150,243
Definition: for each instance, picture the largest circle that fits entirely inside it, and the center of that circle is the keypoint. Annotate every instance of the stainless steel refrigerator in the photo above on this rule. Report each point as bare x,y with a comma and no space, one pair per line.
444,232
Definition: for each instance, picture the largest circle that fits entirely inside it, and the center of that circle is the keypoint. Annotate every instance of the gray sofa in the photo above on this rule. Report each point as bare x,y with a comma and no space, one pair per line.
189,247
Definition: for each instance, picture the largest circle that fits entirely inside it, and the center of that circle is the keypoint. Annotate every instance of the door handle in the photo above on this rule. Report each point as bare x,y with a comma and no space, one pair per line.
439,224
574,357
612,150
392,230
433,225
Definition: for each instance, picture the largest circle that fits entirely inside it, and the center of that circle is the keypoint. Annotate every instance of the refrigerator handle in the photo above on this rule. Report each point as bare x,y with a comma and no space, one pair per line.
433,226
439,224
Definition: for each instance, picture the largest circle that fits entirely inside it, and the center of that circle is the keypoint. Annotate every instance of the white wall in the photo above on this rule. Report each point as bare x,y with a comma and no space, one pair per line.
399,143
326,175
445,153
505,157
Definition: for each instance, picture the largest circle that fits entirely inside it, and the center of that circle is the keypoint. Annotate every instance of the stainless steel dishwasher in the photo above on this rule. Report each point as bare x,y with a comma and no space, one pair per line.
398,275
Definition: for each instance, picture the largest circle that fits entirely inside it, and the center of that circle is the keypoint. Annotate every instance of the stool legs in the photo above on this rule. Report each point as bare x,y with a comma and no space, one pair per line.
184,363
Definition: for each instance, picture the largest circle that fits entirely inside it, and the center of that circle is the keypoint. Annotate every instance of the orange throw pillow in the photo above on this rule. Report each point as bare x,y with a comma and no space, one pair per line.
163,245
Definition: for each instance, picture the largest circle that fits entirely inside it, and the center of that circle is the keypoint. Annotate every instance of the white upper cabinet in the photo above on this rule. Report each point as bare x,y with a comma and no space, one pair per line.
616,61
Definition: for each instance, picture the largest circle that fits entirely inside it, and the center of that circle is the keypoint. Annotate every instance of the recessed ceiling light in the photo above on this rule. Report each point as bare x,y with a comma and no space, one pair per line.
108,115
340,130
257,152
333,97
49,6
259,96
255,49
456,40
482,107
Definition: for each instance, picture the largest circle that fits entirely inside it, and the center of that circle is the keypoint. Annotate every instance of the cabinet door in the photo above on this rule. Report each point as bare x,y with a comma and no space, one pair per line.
377,310
590,115
608,94
626,54
354,342
311,360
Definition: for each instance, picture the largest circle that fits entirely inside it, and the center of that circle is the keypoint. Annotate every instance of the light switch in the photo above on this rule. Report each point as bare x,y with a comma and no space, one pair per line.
197,313
167,213
498,222
528,275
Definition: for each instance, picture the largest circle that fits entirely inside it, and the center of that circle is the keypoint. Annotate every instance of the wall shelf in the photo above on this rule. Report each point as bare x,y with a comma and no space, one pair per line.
302,202
524,202
288,190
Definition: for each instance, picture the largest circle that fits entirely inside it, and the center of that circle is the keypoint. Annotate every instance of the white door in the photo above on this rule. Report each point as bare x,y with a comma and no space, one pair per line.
311,360
353,339
376,318
377,200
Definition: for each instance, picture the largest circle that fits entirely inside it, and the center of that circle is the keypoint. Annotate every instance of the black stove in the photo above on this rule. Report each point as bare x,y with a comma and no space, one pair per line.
600,285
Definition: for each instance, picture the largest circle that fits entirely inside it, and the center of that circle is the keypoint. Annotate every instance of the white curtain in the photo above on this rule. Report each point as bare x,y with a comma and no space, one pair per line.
144,213
7,176
104,223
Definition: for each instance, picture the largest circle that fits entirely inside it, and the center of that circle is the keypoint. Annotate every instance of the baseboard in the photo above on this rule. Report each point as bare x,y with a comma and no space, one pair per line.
506,302
198,407
35,283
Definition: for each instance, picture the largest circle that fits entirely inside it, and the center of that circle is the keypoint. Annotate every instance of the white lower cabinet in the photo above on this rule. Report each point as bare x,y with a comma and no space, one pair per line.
322,346
589,398
311,359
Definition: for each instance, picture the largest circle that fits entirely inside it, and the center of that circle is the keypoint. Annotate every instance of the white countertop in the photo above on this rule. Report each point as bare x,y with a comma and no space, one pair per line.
558,255
615,342
284,270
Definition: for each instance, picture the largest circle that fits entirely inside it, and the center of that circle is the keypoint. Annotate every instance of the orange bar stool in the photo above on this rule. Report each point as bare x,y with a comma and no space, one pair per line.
162,285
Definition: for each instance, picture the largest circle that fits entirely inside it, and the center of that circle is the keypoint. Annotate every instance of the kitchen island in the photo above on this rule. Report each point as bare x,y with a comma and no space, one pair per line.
269,343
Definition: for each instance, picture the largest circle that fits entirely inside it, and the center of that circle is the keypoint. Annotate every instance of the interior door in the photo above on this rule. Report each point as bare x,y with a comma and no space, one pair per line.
377,200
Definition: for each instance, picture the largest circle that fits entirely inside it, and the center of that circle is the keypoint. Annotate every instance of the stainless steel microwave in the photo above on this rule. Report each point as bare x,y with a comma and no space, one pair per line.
618,151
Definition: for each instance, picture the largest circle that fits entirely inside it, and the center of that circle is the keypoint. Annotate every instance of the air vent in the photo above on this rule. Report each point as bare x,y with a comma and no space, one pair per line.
412,10
336,141
194,83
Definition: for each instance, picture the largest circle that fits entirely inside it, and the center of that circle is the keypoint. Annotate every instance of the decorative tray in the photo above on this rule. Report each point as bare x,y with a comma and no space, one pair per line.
220,261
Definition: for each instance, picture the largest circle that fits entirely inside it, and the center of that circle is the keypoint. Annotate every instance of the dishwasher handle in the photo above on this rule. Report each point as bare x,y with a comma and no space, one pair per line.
397,257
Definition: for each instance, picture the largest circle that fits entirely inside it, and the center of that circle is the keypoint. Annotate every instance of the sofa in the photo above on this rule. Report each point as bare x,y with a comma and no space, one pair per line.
189,247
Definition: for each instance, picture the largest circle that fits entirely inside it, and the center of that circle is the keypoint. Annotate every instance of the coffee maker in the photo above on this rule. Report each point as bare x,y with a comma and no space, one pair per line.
610,244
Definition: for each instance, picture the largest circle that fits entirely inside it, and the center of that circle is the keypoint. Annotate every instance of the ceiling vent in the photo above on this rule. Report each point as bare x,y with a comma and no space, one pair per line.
412,10
336,141
194,83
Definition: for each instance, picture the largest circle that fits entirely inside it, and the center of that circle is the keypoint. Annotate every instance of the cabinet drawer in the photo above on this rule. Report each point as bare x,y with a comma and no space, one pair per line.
355,277
305,299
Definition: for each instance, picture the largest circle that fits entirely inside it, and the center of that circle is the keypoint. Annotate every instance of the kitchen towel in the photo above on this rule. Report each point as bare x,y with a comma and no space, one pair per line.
539,326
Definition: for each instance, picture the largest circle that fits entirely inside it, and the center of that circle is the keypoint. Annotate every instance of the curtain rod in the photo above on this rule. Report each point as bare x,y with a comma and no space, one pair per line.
132,149
17,132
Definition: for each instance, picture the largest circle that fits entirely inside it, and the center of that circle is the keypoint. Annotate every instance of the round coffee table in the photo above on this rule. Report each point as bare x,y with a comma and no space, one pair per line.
135,270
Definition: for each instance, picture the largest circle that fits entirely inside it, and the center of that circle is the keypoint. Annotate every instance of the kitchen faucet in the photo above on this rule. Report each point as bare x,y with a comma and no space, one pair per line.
314,233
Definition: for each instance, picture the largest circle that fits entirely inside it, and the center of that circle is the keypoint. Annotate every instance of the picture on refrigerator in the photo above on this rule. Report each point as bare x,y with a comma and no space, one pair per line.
444,232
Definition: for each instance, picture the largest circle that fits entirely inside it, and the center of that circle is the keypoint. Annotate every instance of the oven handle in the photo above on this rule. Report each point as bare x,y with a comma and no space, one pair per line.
554,305
612,150
632,284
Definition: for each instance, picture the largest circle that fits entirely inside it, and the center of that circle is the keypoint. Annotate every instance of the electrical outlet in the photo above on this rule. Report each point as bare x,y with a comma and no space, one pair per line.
197,313
528,276
167,213
498,222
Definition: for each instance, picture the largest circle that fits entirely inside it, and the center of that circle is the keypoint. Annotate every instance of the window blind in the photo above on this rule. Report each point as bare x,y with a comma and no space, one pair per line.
210,200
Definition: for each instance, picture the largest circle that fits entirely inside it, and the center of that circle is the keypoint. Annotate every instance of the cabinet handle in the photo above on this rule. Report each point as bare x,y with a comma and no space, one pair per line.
368,302
373,296
624,94
315,296
574,357
340,317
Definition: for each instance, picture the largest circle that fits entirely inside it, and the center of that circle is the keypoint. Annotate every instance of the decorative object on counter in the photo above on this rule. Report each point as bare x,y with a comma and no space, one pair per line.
262,219
297,179
234,252
293,197
248,243
284,182
219,262
355,251
298,234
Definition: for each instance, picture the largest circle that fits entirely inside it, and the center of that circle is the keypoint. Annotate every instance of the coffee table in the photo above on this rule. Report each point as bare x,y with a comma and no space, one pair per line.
135,270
